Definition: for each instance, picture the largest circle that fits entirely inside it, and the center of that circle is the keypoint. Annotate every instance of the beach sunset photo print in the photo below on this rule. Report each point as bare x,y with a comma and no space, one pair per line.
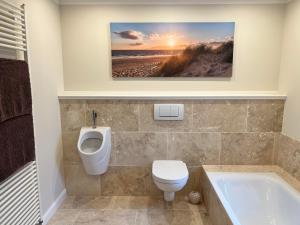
141,50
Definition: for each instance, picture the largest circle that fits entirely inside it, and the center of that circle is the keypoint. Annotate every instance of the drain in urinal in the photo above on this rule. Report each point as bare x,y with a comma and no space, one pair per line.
91,145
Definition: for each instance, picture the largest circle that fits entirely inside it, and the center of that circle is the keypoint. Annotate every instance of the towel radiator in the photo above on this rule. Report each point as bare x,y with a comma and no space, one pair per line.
13,29
19,198
19,194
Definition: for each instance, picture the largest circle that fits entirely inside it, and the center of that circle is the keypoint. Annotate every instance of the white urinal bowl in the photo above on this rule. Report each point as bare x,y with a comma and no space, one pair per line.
94,147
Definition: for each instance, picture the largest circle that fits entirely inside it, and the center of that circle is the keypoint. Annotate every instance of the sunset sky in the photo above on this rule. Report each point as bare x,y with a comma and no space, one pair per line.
164,36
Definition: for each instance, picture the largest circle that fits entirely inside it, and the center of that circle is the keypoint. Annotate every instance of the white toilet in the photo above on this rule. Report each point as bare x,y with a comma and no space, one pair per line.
169,176
94,146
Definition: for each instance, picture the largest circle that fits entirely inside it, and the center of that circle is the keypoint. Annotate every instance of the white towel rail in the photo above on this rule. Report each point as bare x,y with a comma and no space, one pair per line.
19,194
19,198
13,27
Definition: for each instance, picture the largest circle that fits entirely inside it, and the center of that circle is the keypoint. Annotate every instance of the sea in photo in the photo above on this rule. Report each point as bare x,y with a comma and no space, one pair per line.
172,49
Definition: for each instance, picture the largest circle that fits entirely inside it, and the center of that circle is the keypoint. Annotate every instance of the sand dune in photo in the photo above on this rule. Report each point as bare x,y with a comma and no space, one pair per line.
202,60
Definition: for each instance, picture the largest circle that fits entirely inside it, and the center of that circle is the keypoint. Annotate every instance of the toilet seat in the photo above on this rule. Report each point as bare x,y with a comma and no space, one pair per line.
169,171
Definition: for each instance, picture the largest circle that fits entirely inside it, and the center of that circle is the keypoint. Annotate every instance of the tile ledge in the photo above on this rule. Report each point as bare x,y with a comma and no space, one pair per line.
86,95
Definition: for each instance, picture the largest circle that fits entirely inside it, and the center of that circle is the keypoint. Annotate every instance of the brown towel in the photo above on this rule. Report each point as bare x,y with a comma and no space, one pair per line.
16,125
16,145
15,93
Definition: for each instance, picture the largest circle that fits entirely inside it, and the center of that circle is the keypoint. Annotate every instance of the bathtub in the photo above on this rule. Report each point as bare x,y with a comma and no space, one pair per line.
256,198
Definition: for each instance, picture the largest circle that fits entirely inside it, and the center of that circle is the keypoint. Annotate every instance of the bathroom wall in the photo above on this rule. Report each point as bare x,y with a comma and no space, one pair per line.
46,71
290,70
212,132
288,144
86,46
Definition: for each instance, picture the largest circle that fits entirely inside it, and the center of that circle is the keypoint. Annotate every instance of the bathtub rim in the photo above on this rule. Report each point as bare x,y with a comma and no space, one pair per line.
214,177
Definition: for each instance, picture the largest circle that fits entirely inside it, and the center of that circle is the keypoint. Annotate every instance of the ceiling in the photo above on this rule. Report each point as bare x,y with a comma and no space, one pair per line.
169,2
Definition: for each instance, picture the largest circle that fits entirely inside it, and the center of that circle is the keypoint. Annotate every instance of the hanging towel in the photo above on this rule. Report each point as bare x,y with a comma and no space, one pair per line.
16,124
15,93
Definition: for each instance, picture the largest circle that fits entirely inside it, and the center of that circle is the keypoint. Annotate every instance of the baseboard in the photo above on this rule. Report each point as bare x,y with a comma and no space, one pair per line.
53,208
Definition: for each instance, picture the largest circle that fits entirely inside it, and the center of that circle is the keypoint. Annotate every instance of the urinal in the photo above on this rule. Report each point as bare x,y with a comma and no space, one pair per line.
94,146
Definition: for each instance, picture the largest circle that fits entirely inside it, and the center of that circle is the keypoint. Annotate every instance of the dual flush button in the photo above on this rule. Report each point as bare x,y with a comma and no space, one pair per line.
168,111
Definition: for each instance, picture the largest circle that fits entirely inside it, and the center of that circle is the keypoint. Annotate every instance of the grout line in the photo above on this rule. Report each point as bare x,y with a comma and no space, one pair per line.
136,217
221,147
192,125
167,156
247,115
274,147
139,117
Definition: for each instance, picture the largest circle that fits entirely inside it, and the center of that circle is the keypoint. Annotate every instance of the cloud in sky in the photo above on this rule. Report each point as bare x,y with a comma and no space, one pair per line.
130,34
136,44
154,36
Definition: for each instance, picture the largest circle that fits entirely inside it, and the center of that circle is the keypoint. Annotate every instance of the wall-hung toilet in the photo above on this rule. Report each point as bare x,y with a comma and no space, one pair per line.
169,176
94,146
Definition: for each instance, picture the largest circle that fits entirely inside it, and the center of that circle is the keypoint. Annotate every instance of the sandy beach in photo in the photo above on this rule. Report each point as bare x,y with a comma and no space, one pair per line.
138,66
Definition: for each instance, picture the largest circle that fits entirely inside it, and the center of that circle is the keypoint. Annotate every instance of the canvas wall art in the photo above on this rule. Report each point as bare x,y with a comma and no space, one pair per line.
141,50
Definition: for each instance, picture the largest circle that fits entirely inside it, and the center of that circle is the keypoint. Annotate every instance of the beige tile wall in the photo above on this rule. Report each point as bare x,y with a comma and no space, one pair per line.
212,132
213,204
287,155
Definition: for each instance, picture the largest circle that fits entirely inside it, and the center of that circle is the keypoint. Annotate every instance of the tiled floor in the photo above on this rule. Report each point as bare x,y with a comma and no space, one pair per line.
120,210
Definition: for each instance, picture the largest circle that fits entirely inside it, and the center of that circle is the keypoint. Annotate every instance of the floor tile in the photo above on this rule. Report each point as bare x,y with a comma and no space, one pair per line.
64,217
106,217
128,210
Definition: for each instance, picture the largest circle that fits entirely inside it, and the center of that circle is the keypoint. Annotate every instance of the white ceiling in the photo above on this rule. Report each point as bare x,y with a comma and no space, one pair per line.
170,2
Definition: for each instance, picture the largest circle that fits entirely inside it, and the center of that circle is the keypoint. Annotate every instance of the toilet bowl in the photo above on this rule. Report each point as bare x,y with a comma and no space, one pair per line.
169,176
94,147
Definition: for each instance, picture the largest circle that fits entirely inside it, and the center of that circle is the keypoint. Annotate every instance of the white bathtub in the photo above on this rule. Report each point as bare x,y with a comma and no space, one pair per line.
257,198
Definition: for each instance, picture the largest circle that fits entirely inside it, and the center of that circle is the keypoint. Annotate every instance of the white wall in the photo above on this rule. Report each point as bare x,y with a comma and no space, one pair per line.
86,46
46,70
289,81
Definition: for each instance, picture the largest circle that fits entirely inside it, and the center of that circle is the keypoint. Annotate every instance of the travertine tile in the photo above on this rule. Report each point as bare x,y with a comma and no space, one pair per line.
78,182
119,115
70,151
64,217
125,181
88,202
220,116
289,155
128,210
147,122
104,109
106,217
181,203
265,116
215,209
76,202
72,116
125,116
247,148
195,149
139,149
139,202
193,183
167,217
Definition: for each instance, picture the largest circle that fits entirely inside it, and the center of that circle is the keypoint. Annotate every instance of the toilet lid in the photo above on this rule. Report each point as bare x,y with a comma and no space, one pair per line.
169,171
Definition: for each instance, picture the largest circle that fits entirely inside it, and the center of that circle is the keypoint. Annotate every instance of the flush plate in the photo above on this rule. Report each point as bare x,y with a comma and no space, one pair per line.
168,111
